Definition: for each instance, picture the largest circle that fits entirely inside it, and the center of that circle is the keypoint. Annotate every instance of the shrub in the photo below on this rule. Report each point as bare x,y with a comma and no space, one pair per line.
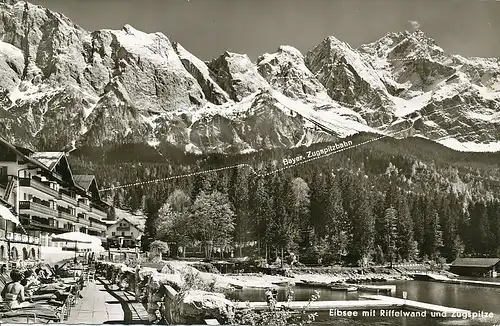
277,315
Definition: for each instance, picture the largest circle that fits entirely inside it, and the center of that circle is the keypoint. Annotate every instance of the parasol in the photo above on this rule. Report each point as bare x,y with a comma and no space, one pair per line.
6,214
76,237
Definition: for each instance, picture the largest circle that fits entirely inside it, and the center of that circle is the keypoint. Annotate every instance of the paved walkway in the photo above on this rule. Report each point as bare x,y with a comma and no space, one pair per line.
96,307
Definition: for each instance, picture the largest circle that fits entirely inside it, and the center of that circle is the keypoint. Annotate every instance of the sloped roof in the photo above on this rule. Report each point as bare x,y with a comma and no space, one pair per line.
84,180
49,159
475,262
20,153
139,221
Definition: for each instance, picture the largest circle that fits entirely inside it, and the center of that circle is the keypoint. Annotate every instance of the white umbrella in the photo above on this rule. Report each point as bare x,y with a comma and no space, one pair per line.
76,237
6,214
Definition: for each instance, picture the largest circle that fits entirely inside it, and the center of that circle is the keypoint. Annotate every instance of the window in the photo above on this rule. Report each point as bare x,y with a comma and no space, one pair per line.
113,233
123,233
3,170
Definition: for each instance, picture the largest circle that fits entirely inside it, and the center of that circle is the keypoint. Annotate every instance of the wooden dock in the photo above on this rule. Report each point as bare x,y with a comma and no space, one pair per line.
419,306
376,302
429,277
444,279
470,282
323,305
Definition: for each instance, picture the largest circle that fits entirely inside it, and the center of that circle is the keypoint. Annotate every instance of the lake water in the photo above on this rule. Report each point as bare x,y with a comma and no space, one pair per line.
473,298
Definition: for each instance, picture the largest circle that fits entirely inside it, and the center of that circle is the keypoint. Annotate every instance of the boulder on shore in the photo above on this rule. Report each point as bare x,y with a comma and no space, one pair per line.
193,307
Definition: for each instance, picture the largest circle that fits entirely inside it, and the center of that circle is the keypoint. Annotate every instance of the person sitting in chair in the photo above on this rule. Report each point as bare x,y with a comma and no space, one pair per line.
13,292
30,281
60,271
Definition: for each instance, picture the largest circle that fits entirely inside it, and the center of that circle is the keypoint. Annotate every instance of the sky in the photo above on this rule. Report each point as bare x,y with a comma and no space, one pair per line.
208,28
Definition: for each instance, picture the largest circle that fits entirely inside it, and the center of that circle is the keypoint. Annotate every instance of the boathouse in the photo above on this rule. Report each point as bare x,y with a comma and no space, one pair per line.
475,266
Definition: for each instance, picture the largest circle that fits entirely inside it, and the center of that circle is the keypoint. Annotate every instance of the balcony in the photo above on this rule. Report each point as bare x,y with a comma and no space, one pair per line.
98,226
81,204
67,198
32,208
123,228
96,211
83,221
68,228
38,185
42,220
65,214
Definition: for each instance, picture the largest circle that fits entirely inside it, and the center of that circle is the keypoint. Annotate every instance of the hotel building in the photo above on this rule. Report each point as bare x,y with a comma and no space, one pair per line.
40,188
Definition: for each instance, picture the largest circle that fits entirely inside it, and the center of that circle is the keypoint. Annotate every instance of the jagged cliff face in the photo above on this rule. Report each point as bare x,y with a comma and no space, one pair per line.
64,87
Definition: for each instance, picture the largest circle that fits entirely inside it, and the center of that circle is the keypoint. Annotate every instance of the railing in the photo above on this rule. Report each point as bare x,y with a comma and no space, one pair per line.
84,221
67,216
81,204
94,232
38,185
97,226
40,208
41,220
68,199
68,228
98,212
123,228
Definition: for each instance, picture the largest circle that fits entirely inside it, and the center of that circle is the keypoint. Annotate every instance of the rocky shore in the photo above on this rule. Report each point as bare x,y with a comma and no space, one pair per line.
179,293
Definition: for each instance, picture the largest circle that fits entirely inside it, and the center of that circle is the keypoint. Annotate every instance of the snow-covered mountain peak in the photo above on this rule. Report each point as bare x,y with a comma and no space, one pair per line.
237,75
127,86
334,42
290,50
403,46
286,71
206,79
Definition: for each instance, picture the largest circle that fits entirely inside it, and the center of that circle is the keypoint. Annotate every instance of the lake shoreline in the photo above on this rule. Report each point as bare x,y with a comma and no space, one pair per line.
318,275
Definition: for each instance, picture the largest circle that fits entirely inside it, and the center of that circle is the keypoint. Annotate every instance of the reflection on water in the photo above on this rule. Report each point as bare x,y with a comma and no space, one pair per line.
473,298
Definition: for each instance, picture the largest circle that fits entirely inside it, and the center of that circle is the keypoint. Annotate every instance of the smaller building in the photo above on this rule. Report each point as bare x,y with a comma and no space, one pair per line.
125,233
479,267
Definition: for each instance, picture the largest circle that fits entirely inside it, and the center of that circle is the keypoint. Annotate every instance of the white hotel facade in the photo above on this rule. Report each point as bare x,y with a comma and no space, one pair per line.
40,188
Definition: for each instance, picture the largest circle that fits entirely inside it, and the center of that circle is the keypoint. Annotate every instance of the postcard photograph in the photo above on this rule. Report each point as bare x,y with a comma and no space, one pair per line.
250,162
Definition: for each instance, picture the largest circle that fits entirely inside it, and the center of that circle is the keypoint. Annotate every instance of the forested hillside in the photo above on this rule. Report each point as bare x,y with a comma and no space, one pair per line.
388,199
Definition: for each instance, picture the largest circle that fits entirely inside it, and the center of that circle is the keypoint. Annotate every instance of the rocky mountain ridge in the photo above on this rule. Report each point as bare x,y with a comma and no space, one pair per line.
64,87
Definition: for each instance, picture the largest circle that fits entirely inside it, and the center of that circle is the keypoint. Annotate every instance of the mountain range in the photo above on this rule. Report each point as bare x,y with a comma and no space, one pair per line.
62,87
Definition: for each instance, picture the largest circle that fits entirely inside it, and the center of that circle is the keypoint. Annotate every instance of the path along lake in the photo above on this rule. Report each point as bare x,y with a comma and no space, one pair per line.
472,298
